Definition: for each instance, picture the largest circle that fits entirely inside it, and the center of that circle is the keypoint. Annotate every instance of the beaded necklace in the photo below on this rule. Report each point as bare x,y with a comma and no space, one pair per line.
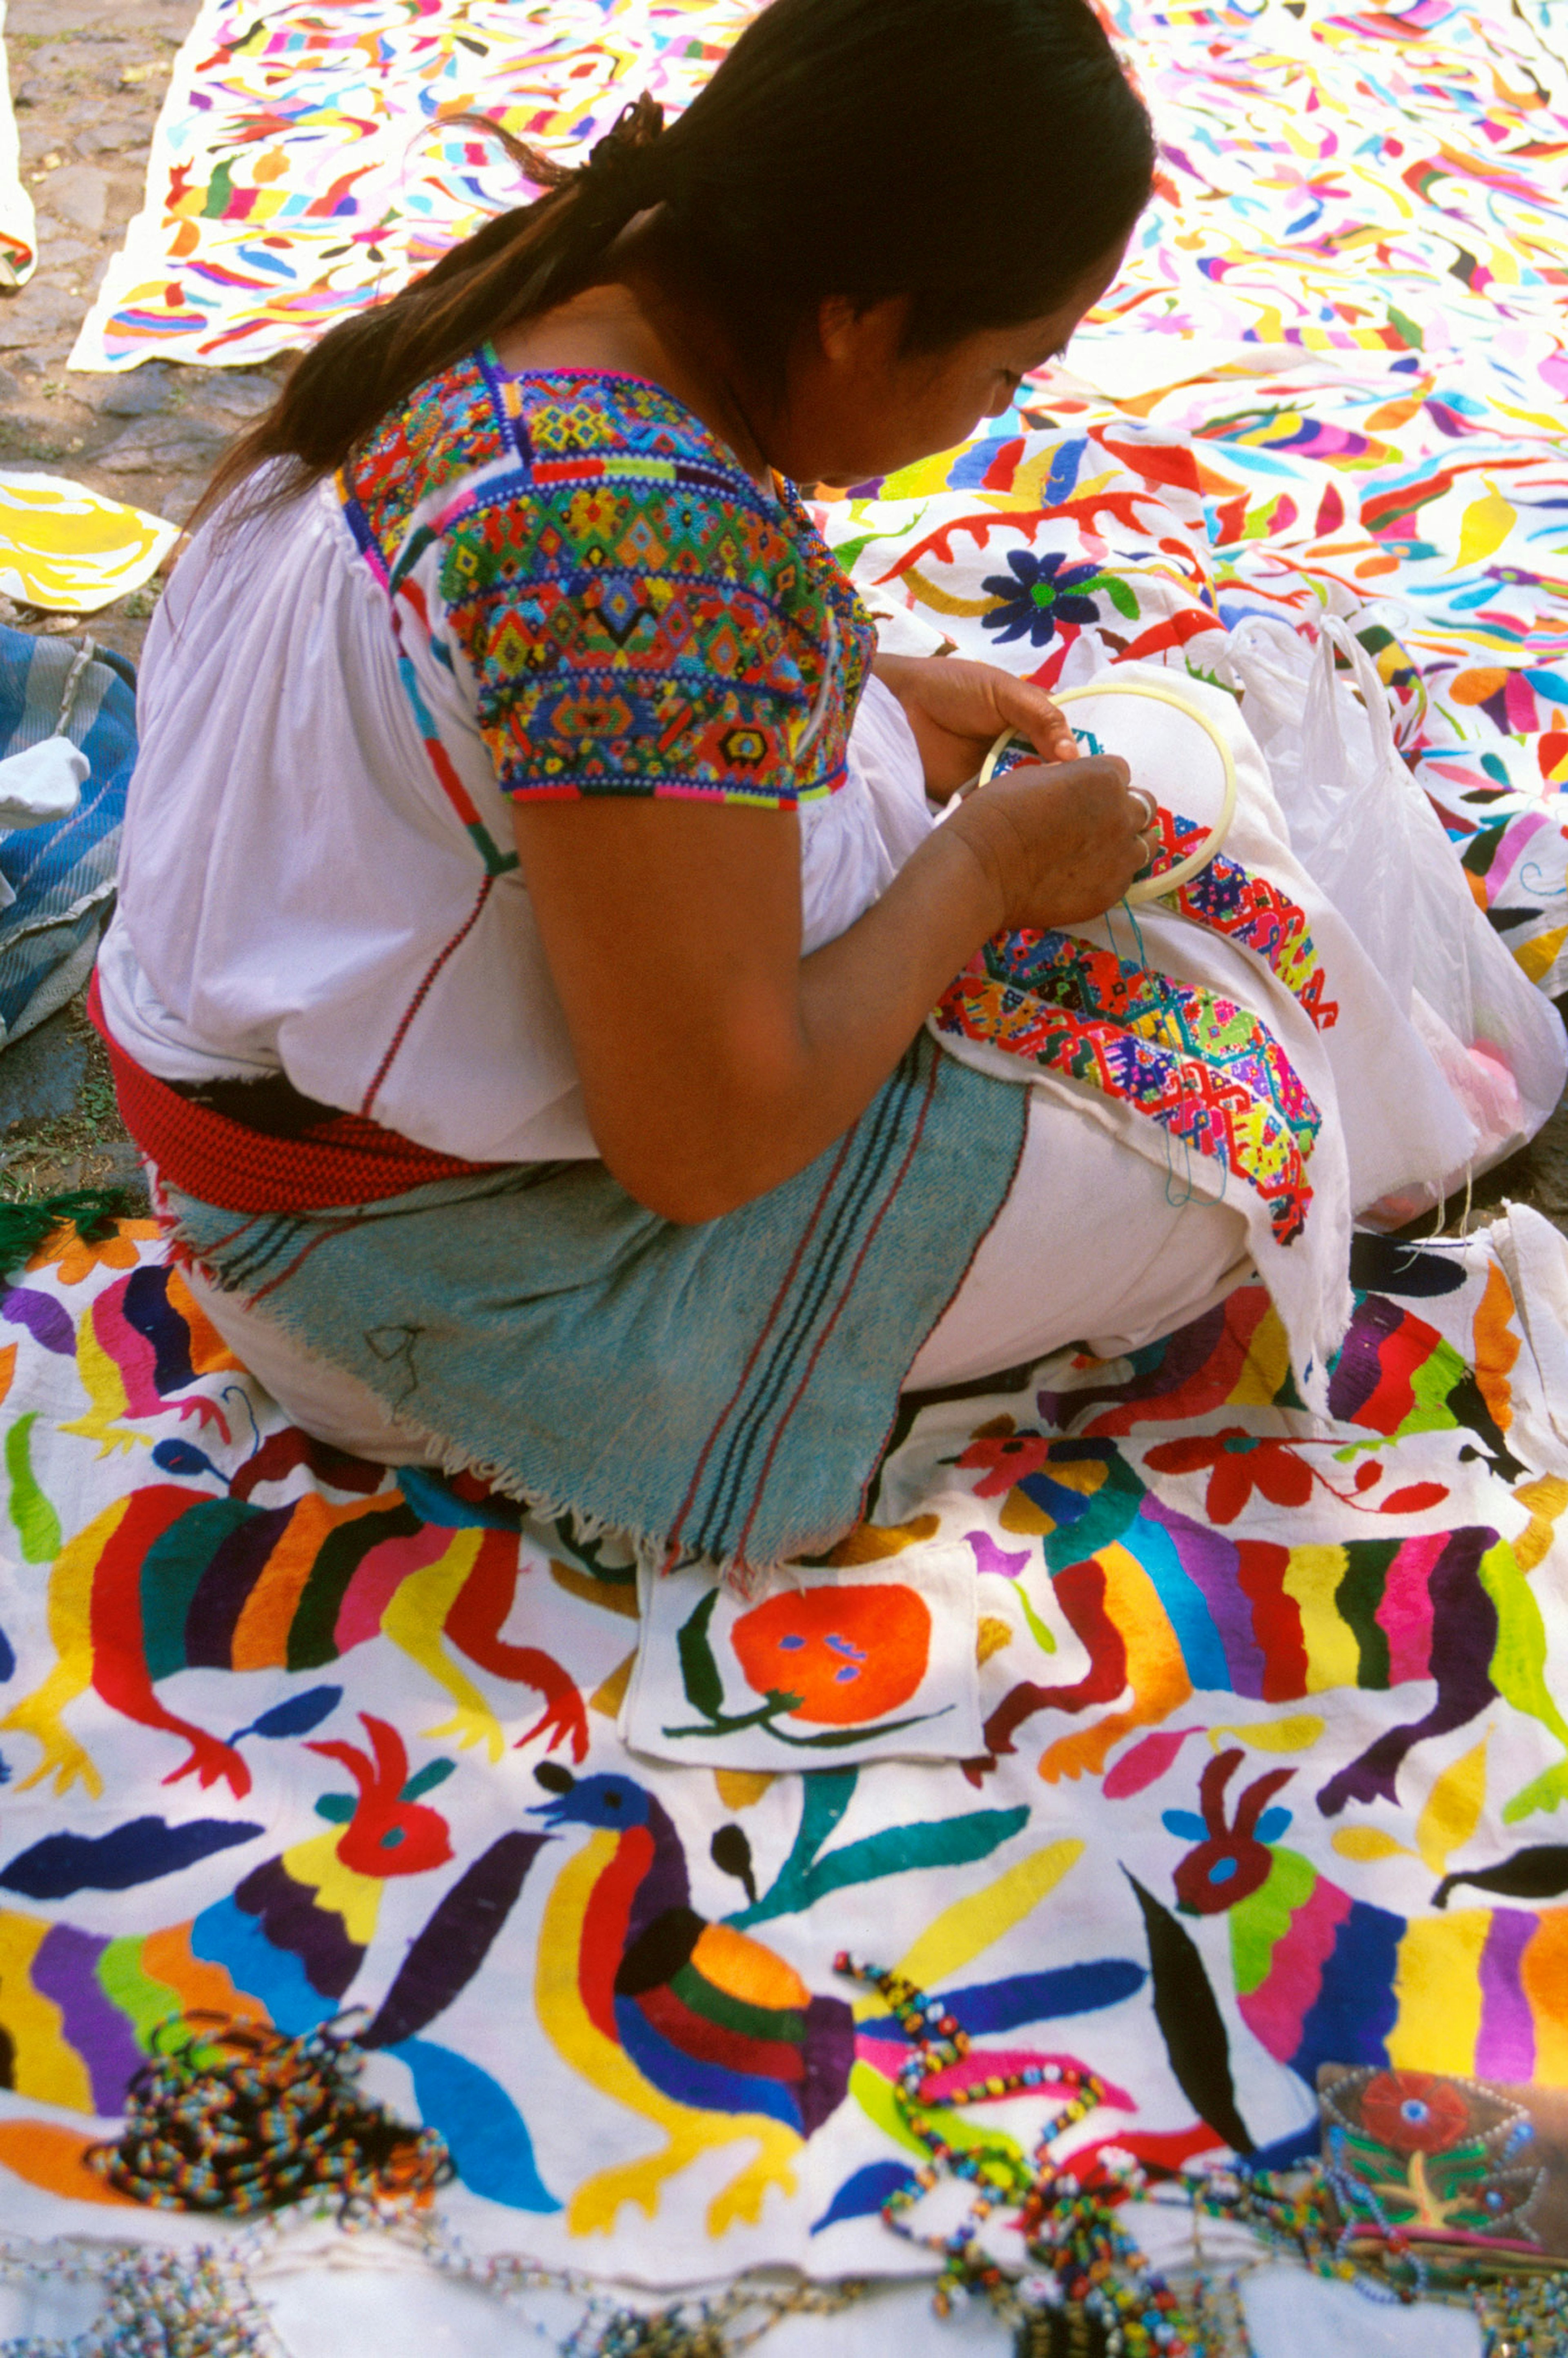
237,2119
1333,2225
1090,2289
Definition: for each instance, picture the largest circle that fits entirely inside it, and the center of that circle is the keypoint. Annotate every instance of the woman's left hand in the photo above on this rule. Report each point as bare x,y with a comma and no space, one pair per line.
958,710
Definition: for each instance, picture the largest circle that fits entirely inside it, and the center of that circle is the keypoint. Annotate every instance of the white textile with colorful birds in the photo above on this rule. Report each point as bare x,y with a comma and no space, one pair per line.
1272,1706
1271,1752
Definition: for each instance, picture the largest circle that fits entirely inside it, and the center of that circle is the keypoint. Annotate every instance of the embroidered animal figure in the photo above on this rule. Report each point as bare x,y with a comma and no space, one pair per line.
80,2011
169,1578
1166,1605
1325,1978
1233,1860
143,1341
1395,1374
700,2028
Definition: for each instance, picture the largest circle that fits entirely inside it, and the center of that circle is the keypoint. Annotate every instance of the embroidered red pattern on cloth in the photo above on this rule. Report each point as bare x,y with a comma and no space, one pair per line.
1232,899
1204,1069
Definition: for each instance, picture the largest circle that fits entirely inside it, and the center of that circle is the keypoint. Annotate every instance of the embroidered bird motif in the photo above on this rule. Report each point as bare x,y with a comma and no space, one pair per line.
695,2026
80,2010
169,1578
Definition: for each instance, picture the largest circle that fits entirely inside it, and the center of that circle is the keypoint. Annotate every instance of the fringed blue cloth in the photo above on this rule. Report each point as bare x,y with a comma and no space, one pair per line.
62,873
720,1392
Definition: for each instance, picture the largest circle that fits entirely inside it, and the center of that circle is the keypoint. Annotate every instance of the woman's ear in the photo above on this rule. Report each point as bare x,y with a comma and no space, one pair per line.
855,339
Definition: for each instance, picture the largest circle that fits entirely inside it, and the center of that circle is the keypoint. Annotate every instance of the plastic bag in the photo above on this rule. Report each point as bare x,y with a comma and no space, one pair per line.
1370,841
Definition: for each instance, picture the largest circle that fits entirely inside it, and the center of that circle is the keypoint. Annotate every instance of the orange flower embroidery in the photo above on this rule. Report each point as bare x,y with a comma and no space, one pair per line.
75,1260
851,1654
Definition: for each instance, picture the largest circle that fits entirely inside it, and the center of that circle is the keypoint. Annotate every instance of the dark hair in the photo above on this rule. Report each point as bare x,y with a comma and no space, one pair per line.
978,157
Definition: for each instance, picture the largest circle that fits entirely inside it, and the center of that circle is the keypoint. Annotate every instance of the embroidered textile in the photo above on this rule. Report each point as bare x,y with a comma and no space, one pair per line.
1204,1068
1333,368
1273,1761
637,616
70,549
1252,910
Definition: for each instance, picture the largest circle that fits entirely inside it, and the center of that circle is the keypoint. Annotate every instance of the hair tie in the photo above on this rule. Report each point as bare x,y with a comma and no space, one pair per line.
626,157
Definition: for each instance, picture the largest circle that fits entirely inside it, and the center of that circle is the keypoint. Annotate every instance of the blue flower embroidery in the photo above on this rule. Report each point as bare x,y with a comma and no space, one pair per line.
1043,594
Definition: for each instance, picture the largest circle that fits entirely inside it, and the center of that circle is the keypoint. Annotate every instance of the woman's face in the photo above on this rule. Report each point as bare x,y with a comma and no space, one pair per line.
859,407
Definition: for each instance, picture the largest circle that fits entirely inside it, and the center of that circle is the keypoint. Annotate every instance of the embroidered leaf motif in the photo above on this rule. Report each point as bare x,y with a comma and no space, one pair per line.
1452,1809
296,1715
38,1525
699,1671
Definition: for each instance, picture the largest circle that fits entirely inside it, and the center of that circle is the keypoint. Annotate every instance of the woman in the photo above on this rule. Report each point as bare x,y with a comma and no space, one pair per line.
520,971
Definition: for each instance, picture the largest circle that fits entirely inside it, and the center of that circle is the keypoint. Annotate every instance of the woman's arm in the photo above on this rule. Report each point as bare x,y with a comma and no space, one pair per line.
716,1062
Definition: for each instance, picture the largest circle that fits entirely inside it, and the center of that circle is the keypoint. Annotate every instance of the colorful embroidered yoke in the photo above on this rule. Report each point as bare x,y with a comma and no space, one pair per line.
1202,1066
549,585
637,616
1199,1064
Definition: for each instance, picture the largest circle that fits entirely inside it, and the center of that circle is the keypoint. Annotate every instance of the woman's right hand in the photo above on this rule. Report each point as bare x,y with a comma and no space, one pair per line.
1061,841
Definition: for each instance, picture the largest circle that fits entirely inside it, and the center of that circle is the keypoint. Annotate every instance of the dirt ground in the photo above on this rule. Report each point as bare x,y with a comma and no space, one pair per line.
88,78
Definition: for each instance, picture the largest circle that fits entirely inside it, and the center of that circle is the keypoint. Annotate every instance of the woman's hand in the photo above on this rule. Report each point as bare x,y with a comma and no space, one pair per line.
958,710
1060,844
715,1060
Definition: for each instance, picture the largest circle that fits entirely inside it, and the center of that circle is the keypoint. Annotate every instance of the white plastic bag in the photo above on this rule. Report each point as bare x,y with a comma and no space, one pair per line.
42,783
1372,841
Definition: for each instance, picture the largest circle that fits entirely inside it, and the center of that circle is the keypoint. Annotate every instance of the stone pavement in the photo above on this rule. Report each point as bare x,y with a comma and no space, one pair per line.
87,80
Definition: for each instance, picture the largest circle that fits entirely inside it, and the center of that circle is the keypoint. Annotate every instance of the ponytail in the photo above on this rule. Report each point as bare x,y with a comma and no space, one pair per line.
979,157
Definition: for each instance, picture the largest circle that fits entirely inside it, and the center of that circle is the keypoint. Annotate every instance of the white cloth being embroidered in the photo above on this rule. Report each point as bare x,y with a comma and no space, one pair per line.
1385,1116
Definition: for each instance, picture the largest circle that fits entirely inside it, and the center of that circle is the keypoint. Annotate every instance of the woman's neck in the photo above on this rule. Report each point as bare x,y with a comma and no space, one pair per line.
642,322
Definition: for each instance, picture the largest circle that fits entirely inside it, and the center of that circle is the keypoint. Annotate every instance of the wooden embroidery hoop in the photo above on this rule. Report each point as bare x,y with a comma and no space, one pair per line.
1168,879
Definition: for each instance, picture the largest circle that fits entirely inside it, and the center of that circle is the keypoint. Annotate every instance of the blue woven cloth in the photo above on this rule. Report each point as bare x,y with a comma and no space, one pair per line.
720,1392
62,875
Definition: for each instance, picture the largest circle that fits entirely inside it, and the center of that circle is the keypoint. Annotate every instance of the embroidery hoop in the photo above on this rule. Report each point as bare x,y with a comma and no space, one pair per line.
1168,879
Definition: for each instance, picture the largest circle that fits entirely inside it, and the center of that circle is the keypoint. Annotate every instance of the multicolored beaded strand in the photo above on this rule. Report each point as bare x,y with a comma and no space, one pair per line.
1091,2288
1313,2216
233,2117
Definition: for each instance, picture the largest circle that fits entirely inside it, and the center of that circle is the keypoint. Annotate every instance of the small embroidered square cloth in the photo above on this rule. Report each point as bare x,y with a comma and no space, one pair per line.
870,1662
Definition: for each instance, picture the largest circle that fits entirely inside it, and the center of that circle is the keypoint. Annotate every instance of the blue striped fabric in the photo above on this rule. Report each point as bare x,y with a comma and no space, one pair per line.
720,1392
62,875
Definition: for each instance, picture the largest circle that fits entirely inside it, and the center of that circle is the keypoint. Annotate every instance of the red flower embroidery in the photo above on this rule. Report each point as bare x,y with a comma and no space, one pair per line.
1412,2112
1242,1464
849,1654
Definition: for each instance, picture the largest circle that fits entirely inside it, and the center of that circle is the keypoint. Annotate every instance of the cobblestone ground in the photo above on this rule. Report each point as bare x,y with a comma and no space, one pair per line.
88,78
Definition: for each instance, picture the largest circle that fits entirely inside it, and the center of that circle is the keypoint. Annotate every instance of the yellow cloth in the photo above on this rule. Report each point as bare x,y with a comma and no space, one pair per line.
64,547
